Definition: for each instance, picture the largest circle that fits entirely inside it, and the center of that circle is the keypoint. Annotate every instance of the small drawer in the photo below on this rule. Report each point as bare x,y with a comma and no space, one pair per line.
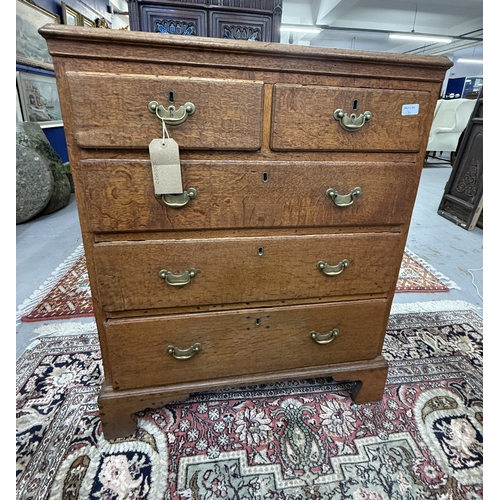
229,270
241,342
120,195
112,111
304,119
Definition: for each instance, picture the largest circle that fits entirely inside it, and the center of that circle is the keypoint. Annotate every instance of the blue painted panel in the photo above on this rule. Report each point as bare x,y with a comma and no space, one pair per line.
57,140
90,8
455,86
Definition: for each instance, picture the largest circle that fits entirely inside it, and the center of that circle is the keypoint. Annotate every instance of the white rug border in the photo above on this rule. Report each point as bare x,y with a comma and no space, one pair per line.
440,276
432,306
38,295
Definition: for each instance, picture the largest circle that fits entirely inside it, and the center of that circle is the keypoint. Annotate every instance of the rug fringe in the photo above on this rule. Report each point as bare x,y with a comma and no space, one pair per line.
63,329
440,276
38,295
433,306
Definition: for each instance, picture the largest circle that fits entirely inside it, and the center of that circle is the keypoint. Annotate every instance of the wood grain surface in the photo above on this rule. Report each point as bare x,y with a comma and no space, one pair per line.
261,150
242,342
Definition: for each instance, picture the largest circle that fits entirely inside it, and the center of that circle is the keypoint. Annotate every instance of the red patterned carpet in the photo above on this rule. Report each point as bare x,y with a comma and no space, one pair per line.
67,293
302,440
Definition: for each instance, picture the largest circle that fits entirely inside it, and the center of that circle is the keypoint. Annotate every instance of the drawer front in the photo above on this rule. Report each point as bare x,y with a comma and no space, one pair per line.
112,111
120,195
242,342
303,119
238,270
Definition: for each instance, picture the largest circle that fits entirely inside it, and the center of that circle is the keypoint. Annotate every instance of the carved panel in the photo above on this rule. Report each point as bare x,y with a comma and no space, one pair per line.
175,27
177,21
258,20
241,27
462,201
469,176
236,32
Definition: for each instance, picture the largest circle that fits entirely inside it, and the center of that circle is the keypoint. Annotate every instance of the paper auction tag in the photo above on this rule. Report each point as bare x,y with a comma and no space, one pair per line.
166,164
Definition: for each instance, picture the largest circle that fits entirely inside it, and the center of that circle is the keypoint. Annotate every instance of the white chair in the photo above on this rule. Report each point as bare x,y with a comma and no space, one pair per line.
450,119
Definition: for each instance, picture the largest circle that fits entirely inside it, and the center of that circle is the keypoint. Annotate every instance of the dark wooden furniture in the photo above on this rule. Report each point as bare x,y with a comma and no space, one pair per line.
300,167
462,201
258,20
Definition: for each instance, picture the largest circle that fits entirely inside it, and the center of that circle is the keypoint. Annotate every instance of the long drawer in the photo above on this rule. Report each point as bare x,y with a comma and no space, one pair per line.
304,118
120,195
191,272
240,342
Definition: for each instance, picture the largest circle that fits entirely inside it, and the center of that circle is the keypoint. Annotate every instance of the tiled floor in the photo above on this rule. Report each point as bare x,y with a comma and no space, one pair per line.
45,242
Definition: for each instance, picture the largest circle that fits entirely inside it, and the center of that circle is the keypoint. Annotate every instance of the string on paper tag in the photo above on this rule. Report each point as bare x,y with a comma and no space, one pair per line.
166,164
165,131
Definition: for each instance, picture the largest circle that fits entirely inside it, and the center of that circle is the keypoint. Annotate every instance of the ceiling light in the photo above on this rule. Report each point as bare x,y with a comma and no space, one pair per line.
420,38
469,61
293,29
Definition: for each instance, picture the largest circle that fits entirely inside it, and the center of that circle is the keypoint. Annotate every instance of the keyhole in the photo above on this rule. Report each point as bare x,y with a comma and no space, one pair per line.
355,105
260,251
171,96
265,177
257,322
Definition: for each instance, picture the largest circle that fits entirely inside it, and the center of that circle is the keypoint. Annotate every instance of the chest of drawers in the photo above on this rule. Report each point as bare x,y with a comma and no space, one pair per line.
280,258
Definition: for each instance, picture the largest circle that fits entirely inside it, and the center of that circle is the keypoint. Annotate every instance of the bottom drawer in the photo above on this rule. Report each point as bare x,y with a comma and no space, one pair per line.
242,342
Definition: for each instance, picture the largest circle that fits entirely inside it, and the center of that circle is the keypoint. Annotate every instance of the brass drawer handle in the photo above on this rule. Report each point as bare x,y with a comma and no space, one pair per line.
332,270
179,200
170,115
324,338
178,279
343,200
184,354
352,123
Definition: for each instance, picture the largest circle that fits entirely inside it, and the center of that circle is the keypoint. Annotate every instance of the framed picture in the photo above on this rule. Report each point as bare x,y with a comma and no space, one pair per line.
31,47
39,99
19,113
87,22
70,16
73,17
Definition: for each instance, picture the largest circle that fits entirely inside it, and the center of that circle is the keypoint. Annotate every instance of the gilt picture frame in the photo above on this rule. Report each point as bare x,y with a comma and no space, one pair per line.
70,16
88,22
75,18
39,99
31,47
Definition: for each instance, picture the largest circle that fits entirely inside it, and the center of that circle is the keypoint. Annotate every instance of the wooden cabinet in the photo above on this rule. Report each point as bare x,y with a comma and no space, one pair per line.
257,20
462,201
302,166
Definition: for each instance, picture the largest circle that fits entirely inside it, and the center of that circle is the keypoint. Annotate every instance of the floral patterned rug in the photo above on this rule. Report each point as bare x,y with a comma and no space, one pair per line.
300,440
66,294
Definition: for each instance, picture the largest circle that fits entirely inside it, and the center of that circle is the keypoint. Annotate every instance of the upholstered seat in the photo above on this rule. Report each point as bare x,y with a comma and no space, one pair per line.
450,119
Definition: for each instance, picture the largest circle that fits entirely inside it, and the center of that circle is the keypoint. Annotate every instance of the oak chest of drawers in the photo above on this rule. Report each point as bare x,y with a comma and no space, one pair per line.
279,259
